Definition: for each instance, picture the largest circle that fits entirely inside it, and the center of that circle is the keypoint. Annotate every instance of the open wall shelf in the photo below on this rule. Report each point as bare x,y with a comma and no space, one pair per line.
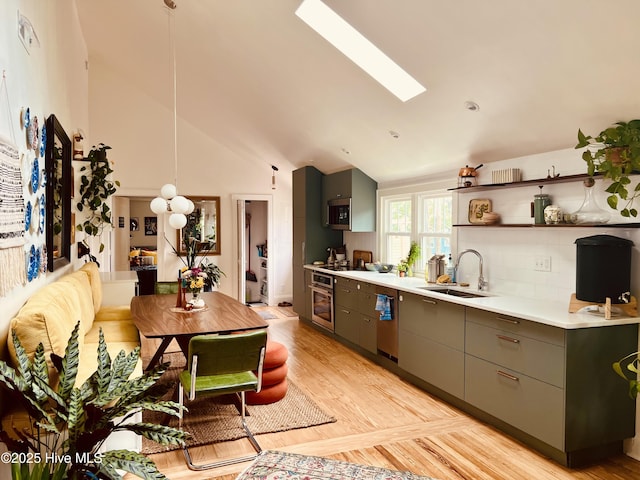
524,183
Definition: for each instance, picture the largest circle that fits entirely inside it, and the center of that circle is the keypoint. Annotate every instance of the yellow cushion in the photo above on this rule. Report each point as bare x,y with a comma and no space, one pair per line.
123,331
114,313
134,253
91,269
79,283
48,317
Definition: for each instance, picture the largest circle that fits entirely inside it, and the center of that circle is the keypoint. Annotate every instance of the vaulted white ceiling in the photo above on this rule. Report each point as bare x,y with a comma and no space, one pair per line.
253,75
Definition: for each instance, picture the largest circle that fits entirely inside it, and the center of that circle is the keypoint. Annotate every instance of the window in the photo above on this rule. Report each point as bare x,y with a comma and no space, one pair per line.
420,217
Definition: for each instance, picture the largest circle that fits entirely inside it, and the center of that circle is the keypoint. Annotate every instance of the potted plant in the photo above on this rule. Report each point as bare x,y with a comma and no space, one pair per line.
403,268
615,154
70,424
96,187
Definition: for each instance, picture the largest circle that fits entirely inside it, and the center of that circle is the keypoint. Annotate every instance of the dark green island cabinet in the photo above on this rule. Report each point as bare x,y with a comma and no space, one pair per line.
550,387
355,315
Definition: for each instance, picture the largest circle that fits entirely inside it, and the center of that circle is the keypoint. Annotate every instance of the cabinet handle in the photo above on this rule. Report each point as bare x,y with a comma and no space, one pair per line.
508,320
508,339
368,320
507,375
430,302
345,311
345,290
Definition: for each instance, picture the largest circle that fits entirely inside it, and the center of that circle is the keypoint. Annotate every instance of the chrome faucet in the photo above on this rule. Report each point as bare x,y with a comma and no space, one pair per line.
481,281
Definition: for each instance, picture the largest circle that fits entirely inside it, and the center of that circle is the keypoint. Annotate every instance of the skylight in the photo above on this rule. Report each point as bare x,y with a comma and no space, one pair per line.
359,49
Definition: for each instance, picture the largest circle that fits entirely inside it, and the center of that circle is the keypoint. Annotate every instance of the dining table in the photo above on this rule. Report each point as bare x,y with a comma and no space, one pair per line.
158,317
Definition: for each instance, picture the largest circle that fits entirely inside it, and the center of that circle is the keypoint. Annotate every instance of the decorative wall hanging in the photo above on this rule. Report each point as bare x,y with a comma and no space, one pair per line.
12,266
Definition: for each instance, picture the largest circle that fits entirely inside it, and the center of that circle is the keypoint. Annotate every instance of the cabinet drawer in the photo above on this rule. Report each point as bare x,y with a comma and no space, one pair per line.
437,320
530,405
346,323
544,333
345,293
437,364
540,360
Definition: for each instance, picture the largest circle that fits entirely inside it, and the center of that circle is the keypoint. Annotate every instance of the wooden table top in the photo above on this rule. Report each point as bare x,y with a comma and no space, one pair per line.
154,317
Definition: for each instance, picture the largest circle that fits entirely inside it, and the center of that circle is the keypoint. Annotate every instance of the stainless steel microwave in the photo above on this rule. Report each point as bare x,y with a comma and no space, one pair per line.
339,214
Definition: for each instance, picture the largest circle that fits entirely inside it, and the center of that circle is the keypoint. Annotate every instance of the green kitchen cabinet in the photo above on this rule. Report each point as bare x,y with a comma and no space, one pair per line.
431,341
354,311
554,385
361,189
310,237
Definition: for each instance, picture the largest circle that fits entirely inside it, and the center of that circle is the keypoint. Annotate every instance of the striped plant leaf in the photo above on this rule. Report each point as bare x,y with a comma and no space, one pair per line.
24,364
70,364
158,433
103,372
76,417
40,371
132,462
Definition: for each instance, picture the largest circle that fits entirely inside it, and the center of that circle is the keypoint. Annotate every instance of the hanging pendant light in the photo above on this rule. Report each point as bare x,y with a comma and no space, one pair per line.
169,201
274,169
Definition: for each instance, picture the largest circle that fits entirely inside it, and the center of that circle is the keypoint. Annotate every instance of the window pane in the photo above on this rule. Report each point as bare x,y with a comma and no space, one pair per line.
397,248
400,216
435,246
437,215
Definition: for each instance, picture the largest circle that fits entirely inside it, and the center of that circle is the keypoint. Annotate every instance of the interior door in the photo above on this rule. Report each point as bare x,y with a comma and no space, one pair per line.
120,251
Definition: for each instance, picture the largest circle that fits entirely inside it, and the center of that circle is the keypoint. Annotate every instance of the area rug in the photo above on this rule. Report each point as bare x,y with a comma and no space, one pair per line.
217,419
289,466
266,315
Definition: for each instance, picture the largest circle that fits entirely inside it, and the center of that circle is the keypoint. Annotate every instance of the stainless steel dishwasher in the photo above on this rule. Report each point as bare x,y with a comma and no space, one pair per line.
387,330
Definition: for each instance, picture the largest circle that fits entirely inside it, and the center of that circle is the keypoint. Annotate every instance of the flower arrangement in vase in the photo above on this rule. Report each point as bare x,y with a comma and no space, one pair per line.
193,280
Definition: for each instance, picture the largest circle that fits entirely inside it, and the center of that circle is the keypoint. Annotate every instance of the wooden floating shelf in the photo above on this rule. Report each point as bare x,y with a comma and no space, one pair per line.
523,183
557,225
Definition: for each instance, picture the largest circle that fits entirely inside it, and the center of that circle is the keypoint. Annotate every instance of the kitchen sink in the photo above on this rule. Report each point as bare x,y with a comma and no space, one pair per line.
454,293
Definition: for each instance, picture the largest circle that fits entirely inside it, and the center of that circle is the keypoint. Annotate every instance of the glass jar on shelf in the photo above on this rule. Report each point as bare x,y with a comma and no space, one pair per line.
590,212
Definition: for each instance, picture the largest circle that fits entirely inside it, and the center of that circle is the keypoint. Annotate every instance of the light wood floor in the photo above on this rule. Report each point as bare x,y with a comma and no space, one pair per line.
387,422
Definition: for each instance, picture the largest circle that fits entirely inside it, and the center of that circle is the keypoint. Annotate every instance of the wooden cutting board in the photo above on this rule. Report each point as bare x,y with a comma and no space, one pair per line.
361,254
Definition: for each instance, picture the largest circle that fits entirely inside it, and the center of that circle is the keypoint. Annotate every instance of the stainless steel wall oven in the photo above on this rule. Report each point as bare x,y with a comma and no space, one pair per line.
322,299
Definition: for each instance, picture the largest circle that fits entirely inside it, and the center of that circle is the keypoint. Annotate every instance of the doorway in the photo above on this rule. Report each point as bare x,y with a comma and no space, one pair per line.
253,239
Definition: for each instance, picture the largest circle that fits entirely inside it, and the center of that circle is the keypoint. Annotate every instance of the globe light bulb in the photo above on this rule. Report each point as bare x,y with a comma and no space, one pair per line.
158,205
179,204
168,191
177,220
191,208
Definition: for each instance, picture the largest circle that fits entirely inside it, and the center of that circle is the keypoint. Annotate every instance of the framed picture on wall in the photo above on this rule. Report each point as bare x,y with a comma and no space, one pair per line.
151,225
134,225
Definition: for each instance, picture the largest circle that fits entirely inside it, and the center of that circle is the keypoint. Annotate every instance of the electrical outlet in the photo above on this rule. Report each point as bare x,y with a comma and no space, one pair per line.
542,263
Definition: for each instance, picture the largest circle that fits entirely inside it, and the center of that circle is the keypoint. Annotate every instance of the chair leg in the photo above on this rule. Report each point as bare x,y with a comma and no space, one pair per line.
230,461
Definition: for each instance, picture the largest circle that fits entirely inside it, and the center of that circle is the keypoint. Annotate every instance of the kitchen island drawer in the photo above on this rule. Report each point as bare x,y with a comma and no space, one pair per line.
528,404
539,331
437,364
540,360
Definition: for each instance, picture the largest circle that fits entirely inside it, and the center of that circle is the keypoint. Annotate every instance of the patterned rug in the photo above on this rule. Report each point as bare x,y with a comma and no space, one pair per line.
217,419
271,465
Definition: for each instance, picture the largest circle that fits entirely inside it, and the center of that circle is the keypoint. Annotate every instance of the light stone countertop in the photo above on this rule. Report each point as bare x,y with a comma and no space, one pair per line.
552,313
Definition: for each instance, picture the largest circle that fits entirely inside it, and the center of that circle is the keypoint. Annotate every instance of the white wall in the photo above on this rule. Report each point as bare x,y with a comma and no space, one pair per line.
49,79
140,132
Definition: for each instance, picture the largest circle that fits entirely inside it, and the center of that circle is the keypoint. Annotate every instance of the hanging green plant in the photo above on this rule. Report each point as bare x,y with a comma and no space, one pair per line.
96,187
615,154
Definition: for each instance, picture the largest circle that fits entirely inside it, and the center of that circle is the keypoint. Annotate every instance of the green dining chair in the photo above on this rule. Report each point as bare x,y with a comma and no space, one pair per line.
219,365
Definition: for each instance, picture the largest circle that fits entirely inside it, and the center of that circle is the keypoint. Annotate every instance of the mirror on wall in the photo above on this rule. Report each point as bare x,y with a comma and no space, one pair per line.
59,188
203,224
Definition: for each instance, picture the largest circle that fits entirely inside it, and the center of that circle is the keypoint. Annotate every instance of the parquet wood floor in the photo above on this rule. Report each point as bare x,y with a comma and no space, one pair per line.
385,421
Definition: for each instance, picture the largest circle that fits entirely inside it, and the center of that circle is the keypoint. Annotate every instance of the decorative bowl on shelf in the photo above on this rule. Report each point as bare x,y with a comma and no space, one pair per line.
371,267
490,218
385,267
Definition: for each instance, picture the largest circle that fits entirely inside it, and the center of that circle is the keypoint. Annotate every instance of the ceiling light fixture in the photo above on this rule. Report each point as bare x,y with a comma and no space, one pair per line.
359,49
472,106
169,201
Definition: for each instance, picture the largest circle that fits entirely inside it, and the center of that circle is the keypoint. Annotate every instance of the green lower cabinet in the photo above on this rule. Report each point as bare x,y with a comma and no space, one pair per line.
353,313
431,342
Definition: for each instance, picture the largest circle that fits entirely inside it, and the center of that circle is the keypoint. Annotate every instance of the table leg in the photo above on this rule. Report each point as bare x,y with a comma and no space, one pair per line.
156,356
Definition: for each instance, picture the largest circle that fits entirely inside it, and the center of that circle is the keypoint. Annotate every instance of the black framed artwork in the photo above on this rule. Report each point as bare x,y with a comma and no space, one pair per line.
151,225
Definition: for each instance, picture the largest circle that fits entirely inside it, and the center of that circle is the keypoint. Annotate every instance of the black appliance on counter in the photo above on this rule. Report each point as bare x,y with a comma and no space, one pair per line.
603,269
